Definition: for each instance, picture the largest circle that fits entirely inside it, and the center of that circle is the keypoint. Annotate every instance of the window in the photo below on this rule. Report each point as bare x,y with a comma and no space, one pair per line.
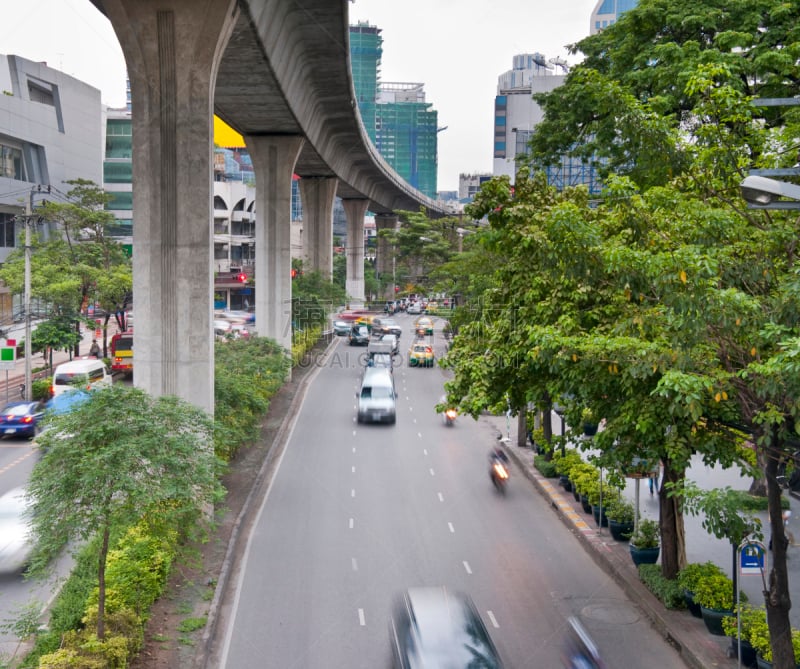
7,231
11,163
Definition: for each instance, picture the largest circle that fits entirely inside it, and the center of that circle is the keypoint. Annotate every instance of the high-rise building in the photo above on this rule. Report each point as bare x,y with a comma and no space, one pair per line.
402,126
607,12
516,114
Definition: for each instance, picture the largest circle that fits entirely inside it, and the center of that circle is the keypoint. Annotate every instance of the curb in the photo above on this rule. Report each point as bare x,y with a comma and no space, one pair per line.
623,575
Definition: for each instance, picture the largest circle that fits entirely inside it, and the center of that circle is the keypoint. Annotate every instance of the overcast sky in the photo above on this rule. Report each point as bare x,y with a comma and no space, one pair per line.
457,48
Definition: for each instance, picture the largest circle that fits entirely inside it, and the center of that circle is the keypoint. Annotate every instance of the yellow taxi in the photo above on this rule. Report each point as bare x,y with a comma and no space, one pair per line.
423,323
420,354
365,320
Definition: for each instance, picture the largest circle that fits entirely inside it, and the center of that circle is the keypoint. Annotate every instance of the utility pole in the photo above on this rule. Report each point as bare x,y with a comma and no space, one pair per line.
27,298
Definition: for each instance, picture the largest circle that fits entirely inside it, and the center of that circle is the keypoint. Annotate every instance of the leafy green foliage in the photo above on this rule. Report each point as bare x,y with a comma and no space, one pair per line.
695,572
646,534
667,590
113,458
715,591
545,466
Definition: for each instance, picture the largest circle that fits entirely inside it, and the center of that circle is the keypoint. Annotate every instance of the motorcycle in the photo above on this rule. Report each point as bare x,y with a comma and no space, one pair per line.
450,417
498,473
580,651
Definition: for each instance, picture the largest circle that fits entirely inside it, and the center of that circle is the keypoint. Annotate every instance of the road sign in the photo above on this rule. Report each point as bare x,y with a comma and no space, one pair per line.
751,558
8,354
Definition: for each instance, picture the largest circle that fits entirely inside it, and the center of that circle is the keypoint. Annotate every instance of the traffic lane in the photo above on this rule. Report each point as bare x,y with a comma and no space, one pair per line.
17,459
516,559
298,583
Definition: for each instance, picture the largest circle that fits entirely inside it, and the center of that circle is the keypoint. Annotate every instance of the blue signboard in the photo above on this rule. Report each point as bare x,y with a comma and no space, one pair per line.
751,558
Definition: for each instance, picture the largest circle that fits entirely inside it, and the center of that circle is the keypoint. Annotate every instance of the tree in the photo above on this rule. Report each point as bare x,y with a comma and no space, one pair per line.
110,460
79,264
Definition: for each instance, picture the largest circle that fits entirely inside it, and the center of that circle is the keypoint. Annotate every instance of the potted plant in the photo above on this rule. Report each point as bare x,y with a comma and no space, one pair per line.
620,518
564,465
754,624
644,542
575,475
587,482
715,596
690,576
589,422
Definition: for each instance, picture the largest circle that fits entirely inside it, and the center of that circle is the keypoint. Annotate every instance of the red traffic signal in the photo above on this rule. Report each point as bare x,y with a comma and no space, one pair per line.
294,272
241,278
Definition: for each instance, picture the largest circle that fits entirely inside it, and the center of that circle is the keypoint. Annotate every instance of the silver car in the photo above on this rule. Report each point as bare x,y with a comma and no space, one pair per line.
15,543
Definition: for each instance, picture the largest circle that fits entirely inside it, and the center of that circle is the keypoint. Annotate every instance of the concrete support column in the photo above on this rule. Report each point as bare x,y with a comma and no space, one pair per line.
317,195
354,283
274,157
172,49
384,251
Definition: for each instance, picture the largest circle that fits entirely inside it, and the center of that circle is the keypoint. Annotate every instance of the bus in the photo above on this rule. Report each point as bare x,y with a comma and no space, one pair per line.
122,353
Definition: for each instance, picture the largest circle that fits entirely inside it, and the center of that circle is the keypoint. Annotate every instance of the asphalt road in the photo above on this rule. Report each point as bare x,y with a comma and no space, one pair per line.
357,513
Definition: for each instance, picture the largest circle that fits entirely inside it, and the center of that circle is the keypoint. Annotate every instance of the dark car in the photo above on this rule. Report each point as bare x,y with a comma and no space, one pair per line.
359,336
434,627
382,326
341,328
21,419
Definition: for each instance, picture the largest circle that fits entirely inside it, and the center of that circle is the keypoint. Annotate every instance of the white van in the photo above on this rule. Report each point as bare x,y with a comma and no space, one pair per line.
84,373
377,396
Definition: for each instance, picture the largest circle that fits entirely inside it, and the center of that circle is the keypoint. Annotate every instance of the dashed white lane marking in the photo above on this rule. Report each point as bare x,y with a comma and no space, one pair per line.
466,567
452,529
353,469
352,522
432,472
419,434
352,492
354,563
361,620
441,497
425,451
354,448
492,619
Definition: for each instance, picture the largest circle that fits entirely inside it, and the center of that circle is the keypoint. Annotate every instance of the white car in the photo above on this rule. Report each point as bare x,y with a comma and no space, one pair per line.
414,308
392,339
15,543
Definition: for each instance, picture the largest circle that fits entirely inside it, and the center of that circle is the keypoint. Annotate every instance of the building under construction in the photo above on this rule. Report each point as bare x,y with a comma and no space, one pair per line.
402,126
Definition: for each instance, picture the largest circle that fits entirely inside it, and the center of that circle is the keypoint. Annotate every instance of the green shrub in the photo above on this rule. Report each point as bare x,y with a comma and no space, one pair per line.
40,389
646,534
667,590
564,463
753,618
546,467
714,592
694,572
620,510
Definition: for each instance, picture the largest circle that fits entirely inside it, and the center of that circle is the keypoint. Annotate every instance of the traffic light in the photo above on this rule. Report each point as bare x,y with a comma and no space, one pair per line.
294,272
241,278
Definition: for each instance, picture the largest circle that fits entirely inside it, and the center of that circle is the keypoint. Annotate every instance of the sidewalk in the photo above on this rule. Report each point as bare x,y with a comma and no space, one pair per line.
699,648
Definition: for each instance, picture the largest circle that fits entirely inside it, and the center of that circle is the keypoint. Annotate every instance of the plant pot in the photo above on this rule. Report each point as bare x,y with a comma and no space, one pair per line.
585,503
749,656
566,483
644,555
590,429
599,515
620,531
694,607
576,495
761,663
713,619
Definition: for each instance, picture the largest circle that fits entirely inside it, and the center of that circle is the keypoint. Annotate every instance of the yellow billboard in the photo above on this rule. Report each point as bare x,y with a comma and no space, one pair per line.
225,136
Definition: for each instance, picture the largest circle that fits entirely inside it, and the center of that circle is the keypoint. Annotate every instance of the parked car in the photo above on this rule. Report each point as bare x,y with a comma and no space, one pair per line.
359,336
434,627
383,326
341,328
420,355
15,544
21,419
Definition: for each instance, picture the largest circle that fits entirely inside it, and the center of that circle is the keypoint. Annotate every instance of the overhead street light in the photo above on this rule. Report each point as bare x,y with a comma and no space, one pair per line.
764,193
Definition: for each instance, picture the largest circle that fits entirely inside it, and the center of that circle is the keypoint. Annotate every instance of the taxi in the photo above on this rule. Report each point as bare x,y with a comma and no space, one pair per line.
365,320
424,323
420,355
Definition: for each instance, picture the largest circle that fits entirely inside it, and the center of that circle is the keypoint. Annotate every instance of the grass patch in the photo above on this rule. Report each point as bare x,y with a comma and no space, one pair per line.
192,624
